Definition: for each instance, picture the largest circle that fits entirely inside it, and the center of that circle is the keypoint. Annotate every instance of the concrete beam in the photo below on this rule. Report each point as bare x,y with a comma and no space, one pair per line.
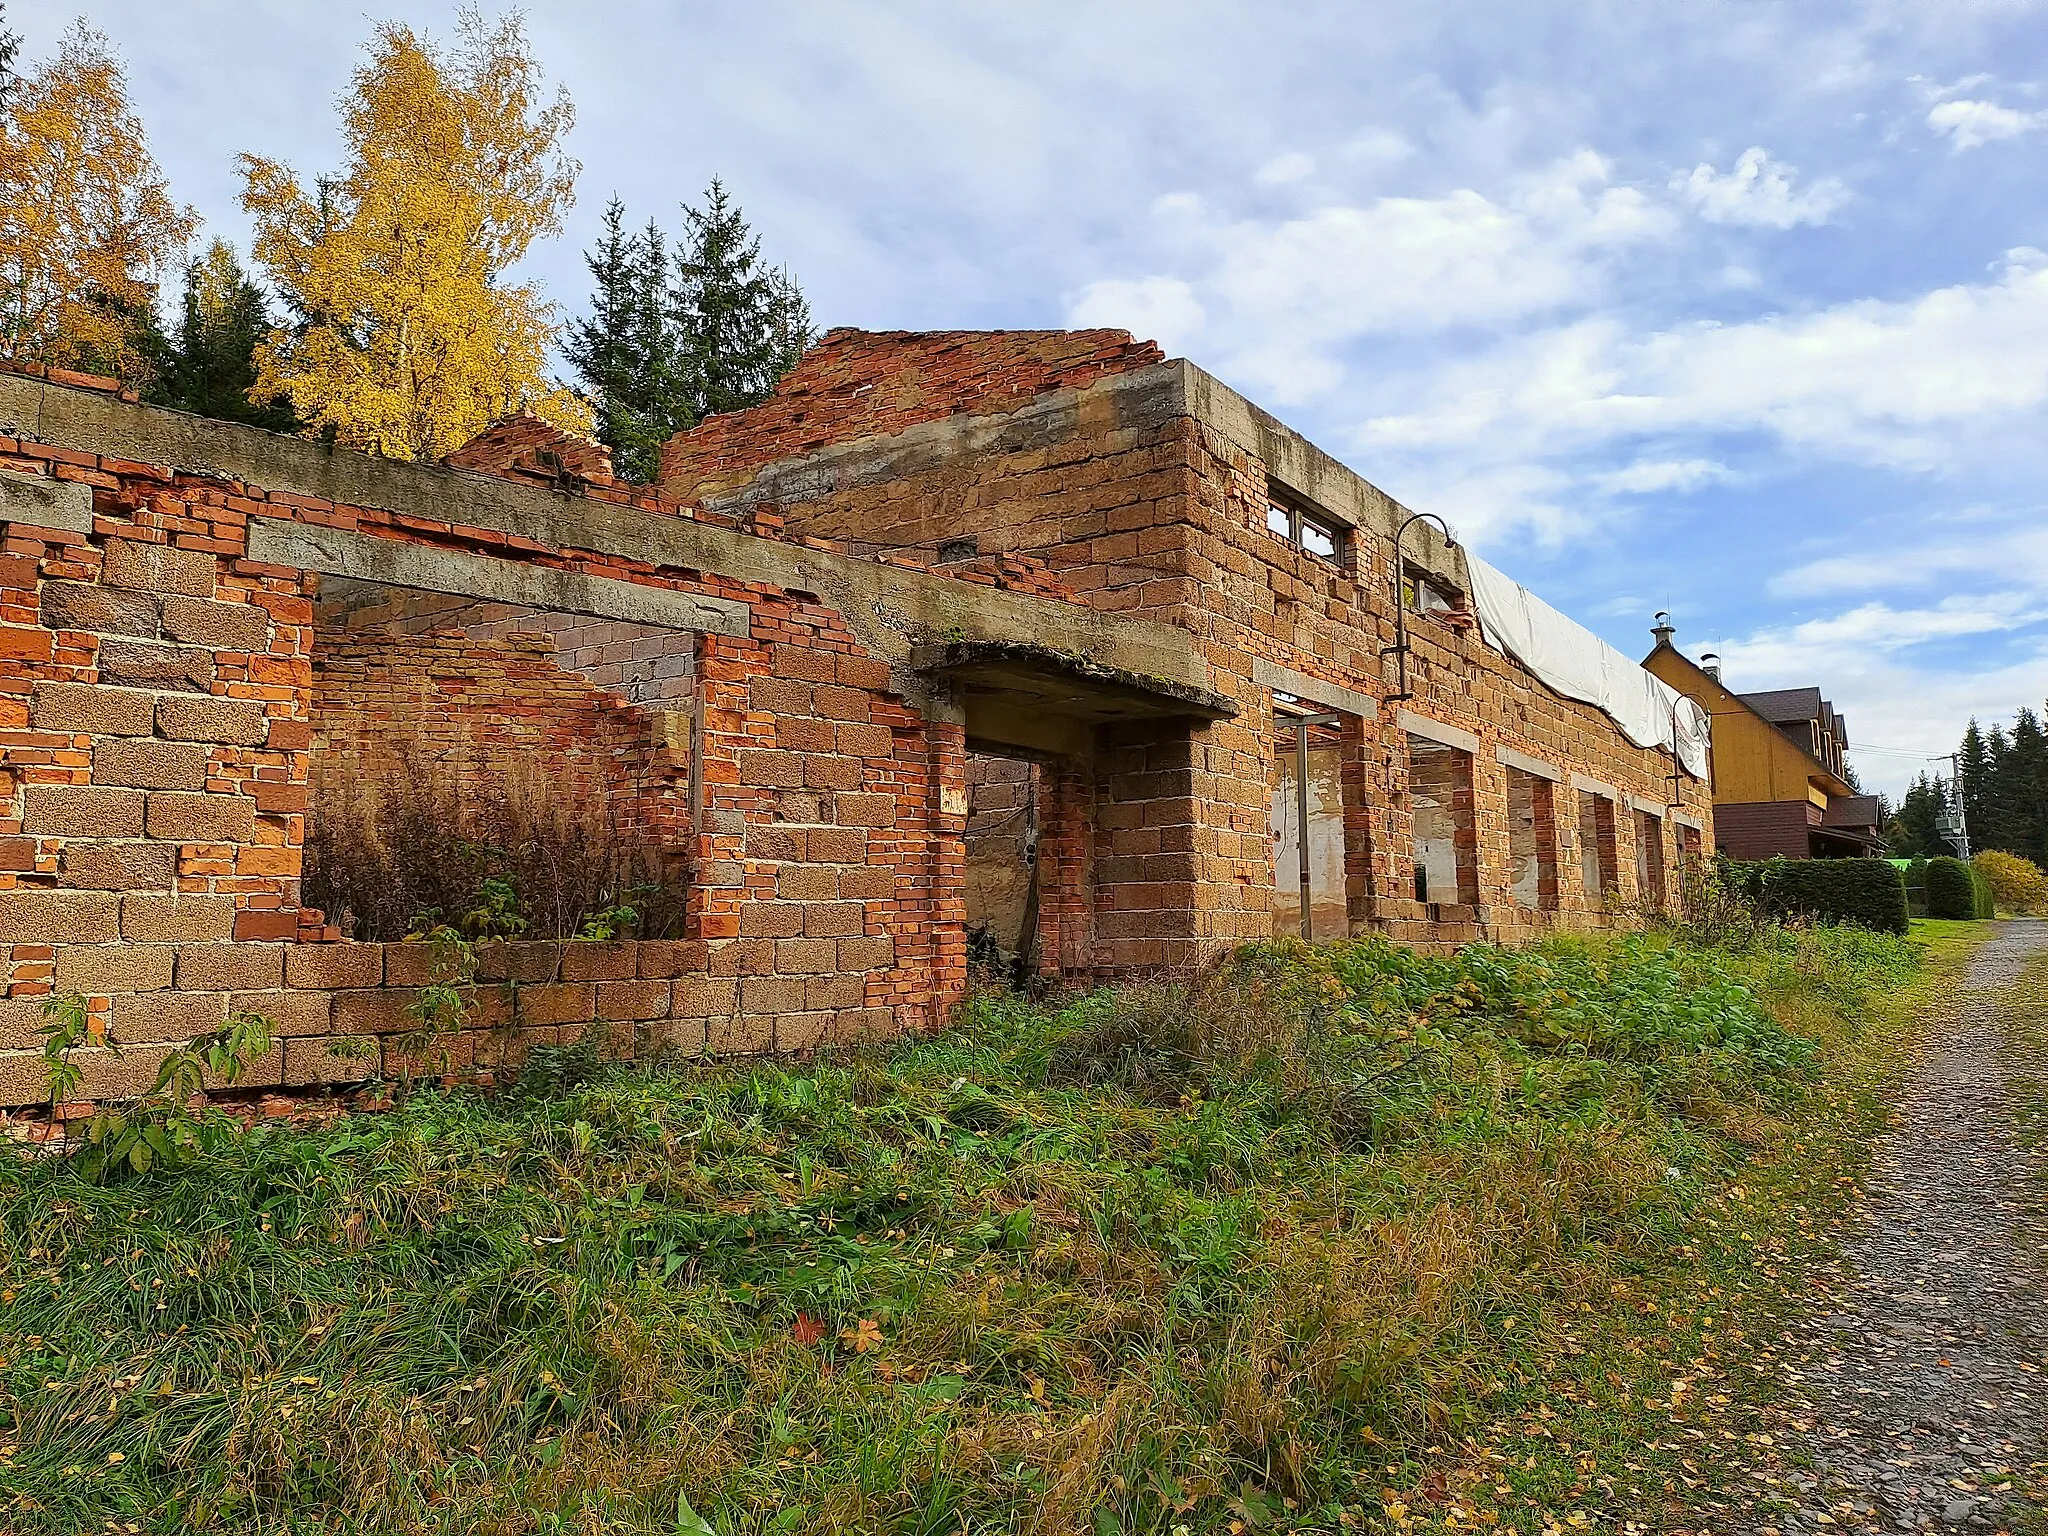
1437,731
33,502
428,568
1270,674
1595,787
1532,765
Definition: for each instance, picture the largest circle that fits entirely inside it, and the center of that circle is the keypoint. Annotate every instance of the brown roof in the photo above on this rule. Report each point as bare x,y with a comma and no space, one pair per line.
1785,706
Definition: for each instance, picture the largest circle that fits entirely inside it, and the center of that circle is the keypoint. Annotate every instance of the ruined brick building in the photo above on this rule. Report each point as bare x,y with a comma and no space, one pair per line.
1030,634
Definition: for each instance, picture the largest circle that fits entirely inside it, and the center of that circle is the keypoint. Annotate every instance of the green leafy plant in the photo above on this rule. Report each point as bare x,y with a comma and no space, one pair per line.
607,923
158,1130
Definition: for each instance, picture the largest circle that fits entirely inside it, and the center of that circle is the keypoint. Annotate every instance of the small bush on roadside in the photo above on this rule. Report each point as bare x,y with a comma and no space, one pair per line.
1870,893
2017,884
1952,889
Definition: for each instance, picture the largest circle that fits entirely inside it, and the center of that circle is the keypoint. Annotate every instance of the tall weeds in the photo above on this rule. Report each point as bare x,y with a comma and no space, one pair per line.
380,855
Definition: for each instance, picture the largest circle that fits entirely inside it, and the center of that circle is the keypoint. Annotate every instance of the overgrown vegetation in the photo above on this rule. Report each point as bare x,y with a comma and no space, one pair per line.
1324,1238
417,851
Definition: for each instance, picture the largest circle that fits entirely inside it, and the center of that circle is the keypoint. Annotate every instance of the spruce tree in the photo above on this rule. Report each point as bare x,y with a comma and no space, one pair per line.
740,325
210,368
2027,792
1912,833
1974,779
10,50
626,351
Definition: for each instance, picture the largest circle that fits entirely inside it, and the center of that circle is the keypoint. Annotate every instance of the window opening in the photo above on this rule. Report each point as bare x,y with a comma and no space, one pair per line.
1440,804
1649,859
1307,823
1308,531
1596,846
1532,842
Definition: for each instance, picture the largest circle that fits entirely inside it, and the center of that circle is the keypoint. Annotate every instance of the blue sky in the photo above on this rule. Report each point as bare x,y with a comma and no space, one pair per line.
1737,309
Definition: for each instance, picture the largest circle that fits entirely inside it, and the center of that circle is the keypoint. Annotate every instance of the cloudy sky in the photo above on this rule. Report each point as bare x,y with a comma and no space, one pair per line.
1728,307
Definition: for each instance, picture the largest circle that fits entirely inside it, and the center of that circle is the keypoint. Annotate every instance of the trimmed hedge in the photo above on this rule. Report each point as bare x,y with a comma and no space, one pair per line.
1987,899
1866,893
1952,889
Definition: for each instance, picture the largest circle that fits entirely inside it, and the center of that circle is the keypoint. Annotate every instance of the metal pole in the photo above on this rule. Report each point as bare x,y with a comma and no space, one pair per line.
1955,769
1400,646
1301,824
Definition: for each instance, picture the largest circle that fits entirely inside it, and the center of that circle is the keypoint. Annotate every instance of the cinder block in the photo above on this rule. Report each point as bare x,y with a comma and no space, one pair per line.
867,954
149,764
771,994
663,958
334,1059
158,568
146,1017
517,960
835,992
859,740
742,957
200,818
765,768
21,1079
59,917
217,626
629,1000
555,1002
230,967
289,1013
176,919
118,866
834,919
865,810
100,609
867,882
674,1037
117,1075
98,709
771,920
101,970
334,966
190,717
587,961
21,1023
807,882
146,664
374,1011
418,963
839,845
806,957
81,810
822,771
698,997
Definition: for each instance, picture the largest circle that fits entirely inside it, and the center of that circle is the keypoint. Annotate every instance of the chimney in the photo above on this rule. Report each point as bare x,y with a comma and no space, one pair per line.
1710,663
1662,629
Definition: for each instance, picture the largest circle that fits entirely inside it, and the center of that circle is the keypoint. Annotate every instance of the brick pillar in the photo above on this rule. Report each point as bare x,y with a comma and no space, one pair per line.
1066,866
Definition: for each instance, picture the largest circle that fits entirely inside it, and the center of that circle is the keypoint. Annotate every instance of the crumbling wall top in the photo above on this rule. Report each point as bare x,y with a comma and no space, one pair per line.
857,383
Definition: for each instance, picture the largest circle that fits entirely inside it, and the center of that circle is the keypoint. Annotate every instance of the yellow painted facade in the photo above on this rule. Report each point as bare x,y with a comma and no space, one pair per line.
1754,761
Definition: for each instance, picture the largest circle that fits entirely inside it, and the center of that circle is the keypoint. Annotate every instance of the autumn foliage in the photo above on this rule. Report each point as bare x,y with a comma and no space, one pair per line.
407,341
2018,884
87,223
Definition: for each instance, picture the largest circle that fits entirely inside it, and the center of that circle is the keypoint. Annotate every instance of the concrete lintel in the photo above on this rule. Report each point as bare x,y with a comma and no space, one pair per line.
34,502
1687,819
1655,808
1595,787
1532,765
1270,674
428,568
1437,731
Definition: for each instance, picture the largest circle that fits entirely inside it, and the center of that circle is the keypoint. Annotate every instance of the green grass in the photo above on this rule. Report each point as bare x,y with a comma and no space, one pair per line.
1330,1238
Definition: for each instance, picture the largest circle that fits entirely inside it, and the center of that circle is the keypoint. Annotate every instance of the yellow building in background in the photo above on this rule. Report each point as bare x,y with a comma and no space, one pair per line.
1779,766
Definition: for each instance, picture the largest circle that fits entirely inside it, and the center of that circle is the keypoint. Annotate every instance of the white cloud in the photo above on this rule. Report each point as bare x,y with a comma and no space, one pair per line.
1902,383
1283,169
1758,192
1282,298
1647,476
1970,123
1161,309
2011,554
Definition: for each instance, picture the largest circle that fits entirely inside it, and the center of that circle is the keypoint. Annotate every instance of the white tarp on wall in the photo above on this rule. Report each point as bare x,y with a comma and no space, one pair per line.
1580,665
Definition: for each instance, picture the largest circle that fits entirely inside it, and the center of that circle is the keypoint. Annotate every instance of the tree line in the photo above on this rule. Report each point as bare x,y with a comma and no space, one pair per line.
2003,778
382,314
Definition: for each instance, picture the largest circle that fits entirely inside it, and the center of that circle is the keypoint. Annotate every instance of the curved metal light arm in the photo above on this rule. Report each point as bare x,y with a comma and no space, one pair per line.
1400,646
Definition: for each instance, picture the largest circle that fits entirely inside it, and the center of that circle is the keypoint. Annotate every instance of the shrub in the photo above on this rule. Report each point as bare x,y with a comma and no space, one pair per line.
1987,904
2017,884
1868,893
1951,889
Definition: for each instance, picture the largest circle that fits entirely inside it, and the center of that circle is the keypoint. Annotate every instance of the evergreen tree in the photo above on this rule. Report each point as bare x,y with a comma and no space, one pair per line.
10,50
1912,833
625,353
2026,795
1973,764
740,325
211,368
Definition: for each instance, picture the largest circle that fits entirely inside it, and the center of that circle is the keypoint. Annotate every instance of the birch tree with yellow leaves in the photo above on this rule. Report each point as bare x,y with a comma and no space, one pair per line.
87,223
405,339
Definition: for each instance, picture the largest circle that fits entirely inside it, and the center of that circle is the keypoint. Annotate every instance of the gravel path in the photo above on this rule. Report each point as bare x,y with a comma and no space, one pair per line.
1924,1384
